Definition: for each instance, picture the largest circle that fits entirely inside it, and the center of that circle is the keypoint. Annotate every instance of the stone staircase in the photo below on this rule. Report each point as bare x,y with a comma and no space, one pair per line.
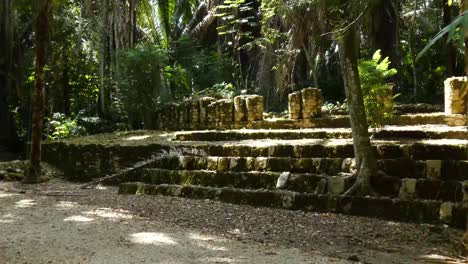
230,151
427,166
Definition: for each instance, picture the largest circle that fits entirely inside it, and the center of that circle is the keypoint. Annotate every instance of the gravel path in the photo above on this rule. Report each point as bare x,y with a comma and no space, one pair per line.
99,226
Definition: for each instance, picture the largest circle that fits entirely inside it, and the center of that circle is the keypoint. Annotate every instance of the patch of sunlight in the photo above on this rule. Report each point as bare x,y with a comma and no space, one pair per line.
66,204
219,260
137,137
101,187
210,247
434,258
25,203
151,238
200,237
110,213
4,195
78,218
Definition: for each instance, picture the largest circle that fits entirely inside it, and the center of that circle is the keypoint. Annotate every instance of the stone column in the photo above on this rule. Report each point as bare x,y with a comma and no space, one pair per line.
194,115
240,109
204,102
455,95
224,111
254,104
311,103
295,105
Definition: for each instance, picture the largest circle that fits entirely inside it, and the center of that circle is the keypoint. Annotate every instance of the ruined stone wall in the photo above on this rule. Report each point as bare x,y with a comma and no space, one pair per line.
305,104
456,95
84,162
209,113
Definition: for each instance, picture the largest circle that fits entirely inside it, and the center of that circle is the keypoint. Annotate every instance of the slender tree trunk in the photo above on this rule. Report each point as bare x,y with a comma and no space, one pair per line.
42,29
451,50
365,158
412,51
8,135
66,82
102,111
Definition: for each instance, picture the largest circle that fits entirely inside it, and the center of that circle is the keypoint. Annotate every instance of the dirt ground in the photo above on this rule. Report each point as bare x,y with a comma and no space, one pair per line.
56,222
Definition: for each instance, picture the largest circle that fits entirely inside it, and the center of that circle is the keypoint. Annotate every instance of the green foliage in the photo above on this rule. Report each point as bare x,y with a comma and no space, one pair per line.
452,30
204,67
335,108
60,126
219,90
141,78
377,92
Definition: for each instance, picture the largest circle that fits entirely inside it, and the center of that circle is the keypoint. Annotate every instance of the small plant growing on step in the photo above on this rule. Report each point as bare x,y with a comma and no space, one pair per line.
377,91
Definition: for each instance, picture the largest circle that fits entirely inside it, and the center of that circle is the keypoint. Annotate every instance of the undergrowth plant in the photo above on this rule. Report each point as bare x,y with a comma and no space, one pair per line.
60,126
377,91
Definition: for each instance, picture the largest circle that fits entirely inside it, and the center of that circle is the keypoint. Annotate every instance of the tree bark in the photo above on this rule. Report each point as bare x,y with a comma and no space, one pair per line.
363,151
42,29
451,50
385,30
8,135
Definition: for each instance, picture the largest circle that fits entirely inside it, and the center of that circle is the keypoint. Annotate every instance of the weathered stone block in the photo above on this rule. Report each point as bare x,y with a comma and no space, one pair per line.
465,194
255,107
223,164
279,164
295,105
240,109
194,113
224,111
455,95
204,102
260,164
433,169
212,163
183,113
336,185
250,163
446,212
407,189
211,113
311,103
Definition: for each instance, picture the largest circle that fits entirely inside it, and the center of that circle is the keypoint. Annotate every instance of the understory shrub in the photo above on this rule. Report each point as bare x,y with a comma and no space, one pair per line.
376,90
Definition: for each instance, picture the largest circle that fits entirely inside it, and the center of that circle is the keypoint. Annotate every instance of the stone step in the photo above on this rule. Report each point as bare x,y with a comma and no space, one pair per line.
389,132
300,182
309,183
401,168
313,148
419,211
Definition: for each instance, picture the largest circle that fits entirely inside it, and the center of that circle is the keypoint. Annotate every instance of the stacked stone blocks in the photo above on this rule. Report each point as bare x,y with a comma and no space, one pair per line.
305,104
455,95
208,112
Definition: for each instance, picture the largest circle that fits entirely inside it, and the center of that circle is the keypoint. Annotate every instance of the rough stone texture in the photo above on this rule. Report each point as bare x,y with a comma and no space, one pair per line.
212,163
211,113
455,95
407,189
224,111
446,212
465,194
336,185
311,103
183,113
295,105
240,109
255,107
433,169
194,116
204,102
